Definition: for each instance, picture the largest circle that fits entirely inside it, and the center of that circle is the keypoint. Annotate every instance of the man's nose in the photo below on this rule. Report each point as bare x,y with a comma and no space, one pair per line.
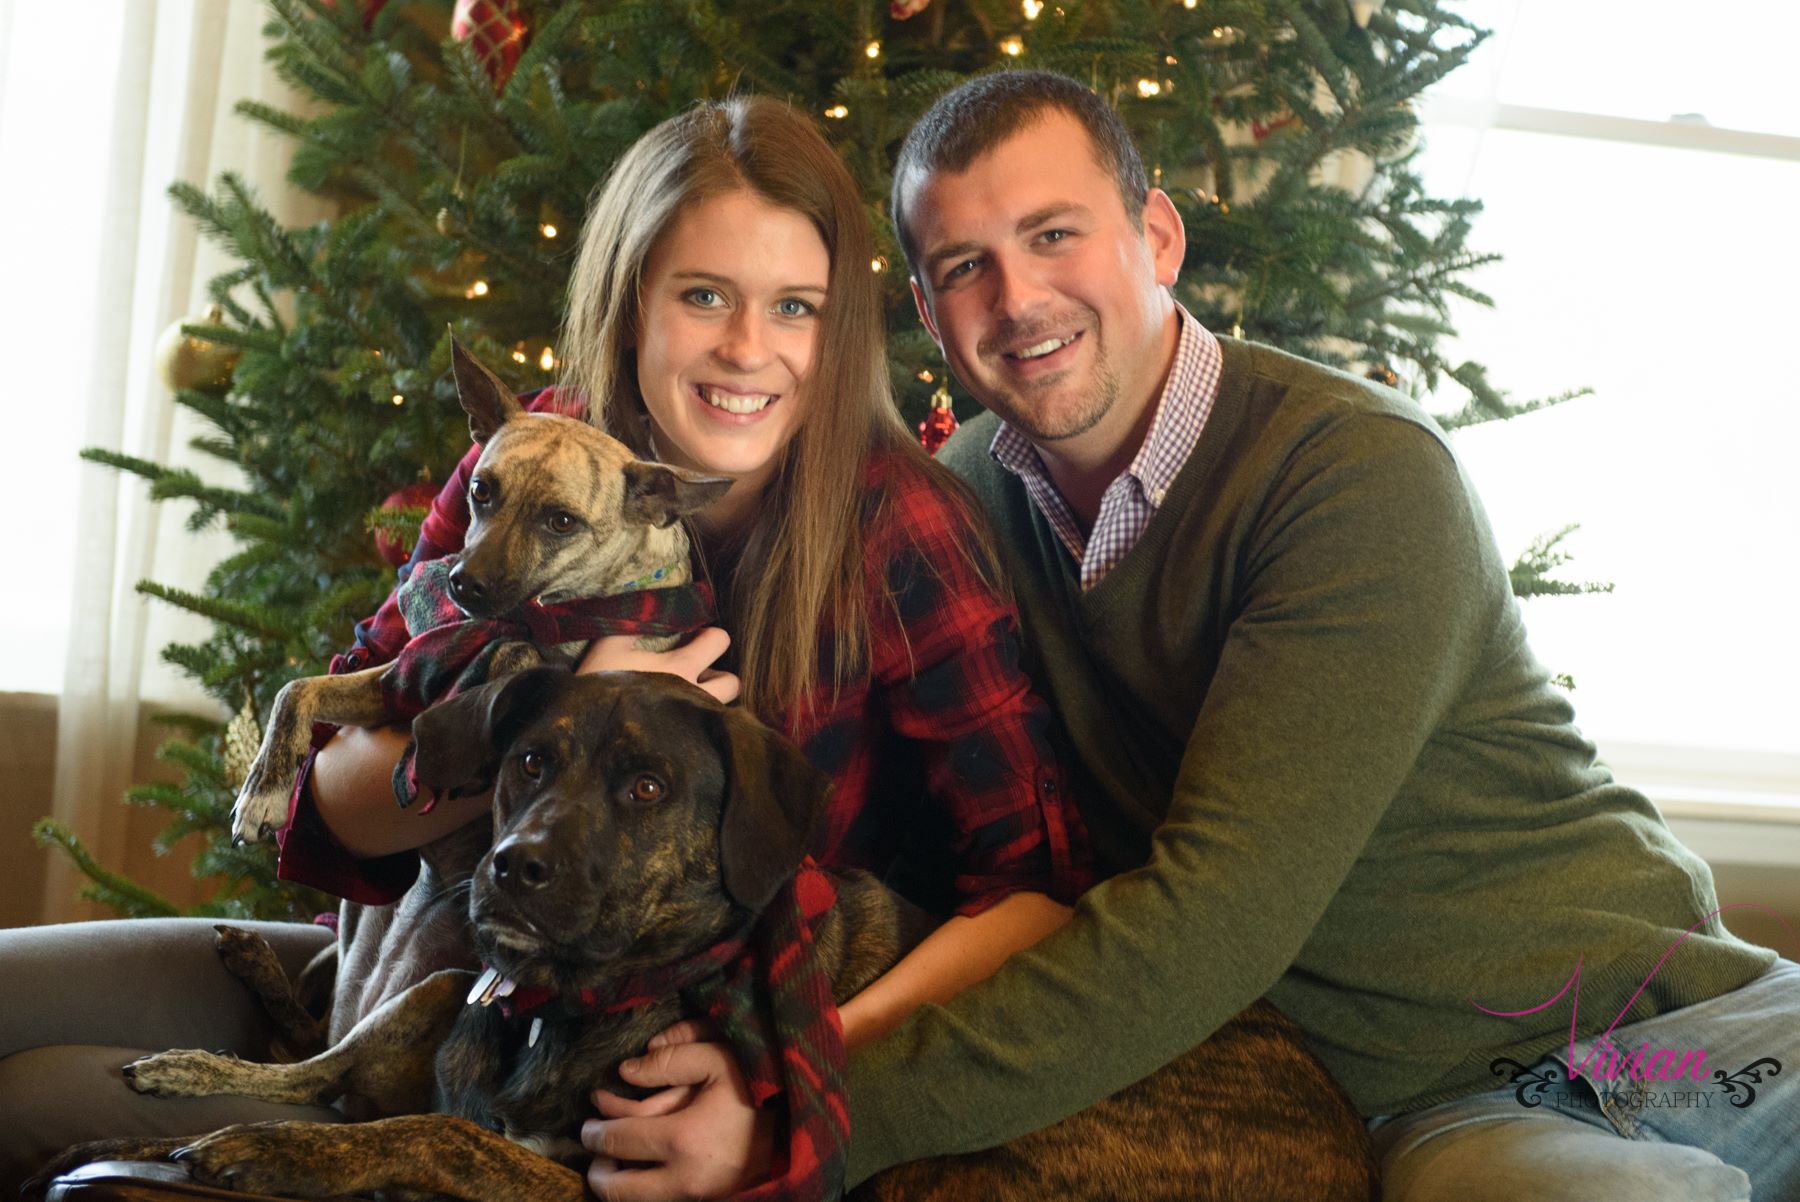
1019,289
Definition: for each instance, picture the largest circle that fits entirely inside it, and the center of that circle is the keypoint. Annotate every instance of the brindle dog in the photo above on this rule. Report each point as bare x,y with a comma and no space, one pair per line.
636,823
558,511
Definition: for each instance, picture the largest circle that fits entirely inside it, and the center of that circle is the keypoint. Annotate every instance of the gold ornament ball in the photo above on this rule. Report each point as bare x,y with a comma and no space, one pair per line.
183,361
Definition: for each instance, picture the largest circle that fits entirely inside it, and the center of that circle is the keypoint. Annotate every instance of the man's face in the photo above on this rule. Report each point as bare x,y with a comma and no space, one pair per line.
1044,295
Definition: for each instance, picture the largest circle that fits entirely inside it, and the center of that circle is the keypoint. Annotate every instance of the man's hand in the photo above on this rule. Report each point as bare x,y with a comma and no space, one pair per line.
692,661
699,1138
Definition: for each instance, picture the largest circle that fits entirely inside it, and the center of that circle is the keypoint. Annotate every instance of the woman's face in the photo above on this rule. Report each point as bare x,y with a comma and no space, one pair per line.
727,334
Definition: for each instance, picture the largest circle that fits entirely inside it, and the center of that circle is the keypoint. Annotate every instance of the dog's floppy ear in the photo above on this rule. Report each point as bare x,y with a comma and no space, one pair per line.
774,799
459,742
484,396
657,494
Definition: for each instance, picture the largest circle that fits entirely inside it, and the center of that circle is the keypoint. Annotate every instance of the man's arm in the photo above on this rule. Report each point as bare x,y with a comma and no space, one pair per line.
1369,597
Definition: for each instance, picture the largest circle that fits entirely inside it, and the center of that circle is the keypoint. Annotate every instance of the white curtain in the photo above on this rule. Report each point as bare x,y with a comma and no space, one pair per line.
184,64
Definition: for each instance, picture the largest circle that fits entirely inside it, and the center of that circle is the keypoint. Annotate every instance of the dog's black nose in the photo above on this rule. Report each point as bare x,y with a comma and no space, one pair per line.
522,865
465,589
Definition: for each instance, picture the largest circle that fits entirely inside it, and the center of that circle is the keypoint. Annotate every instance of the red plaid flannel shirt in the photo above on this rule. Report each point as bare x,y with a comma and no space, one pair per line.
939,750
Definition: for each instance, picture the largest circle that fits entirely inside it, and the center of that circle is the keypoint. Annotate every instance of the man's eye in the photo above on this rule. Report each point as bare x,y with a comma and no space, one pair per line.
532,764
480,491
961,269
561,522
647,788
1055,235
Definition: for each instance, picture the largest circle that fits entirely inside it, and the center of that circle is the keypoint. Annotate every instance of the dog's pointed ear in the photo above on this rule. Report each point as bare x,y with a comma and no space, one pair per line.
485,397
459,742
656,494
774,799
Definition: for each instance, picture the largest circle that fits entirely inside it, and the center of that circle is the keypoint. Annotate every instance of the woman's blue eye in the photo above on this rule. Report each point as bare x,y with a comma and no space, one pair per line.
792,307
704,297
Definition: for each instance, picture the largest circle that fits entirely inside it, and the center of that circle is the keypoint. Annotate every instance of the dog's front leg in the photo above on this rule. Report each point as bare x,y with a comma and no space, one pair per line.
386,1059
353,699
412,1155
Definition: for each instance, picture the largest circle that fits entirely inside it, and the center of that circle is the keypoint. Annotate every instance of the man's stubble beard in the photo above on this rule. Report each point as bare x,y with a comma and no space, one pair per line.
1104,396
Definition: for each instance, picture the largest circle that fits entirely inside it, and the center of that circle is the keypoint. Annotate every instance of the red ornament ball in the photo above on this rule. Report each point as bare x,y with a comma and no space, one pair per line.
416,496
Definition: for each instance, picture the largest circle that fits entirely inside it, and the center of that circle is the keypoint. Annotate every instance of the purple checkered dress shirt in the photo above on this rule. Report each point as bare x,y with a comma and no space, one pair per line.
1133,499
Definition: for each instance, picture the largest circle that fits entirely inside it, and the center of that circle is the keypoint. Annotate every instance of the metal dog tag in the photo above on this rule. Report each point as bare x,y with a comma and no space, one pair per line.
484,987
537,1028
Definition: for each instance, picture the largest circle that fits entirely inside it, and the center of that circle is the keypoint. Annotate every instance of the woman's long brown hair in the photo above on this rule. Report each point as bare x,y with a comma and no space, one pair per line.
805,542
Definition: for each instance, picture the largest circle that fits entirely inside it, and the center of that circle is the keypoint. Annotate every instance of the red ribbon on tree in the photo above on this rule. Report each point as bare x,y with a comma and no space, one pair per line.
495,31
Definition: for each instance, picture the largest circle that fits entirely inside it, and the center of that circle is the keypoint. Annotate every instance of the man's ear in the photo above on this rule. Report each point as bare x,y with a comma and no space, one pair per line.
459,742
487,400
774,799
656,494
1165,236
924,309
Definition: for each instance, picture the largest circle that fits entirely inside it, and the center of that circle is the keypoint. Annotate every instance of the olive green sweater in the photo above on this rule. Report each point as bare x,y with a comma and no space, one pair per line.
1318,762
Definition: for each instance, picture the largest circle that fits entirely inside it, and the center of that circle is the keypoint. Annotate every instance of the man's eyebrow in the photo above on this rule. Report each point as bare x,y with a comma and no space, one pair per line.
1031,220
712,277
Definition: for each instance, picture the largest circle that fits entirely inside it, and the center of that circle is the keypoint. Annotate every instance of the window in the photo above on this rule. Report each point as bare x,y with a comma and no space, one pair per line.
1639,166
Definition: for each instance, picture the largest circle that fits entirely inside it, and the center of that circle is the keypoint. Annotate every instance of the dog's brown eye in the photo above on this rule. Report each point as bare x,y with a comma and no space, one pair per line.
561,522
647,788
532,764
480,491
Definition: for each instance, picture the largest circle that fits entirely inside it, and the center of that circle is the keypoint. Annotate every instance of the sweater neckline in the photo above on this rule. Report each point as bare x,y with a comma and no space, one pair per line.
1128,574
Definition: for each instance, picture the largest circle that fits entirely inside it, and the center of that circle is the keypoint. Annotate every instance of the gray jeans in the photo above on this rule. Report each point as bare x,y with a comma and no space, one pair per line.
78,1001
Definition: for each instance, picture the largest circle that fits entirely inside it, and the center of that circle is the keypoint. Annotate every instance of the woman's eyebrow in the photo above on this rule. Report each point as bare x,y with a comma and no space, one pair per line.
713,277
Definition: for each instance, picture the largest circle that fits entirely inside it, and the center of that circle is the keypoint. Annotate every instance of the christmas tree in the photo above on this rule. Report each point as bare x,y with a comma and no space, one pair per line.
459,142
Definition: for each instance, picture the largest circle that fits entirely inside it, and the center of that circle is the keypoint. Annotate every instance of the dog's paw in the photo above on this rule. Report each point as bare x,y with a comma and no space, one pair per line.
261,808
299,1160
182,1073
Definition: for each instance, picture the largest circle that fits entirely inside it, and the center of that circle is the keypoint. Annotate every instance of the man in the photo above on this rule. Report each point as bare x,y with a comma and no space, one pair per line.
1317,757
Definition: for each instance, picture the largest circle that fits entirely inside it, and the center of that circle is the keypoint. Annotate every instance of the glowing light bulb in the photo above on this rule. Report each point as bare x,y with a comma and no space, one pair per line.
398,399
1032,9
548,230
873,50
547,360
927,376
1148,88
478,288
1014,46
837,112
518,356
878,263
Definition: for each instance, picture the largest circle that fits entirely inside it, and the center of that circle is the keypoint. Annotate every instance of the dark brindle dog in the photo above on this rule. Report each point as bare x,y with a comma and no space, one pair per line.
636,823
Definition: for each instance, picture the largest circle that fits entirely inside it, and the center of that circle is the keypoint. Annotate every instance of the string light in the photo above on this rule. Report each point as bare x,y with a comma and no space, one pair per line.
1169,59
1148,88
1218,31
873,50
927,376
398,399
1014,46
837,112
478,288
1032,9
1190,3
878,263
548,230
547,360
519,357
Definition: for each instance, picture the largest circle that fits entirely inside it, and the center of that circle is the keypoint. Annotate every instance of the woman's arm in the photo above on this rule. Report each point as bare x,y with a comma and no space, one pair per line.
352,789
955,956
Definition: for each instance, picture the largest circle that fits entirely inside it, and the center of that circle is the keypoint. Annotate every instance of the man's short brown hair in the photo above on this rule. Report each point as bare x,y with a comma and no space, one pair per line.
976,116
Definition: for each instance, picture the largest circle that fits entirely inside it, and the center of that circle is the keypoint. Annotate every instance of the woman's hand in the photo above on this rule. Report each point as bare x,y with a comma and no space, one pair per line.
692,661
700,1137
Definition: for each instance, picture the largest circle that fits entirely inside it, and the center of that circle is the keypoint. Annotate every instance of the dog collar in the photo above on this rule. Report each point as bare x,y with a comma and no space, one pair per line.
651,580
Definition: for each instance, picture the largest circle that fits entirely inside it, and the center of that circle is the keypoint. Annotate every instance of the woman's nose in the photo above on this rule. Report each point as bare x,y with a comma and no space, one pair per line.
745,343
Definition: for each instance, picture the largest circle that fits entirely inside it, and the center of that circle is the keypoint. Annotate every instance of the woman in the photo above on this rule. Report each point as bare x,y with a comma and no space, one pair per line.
723,317
723,312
